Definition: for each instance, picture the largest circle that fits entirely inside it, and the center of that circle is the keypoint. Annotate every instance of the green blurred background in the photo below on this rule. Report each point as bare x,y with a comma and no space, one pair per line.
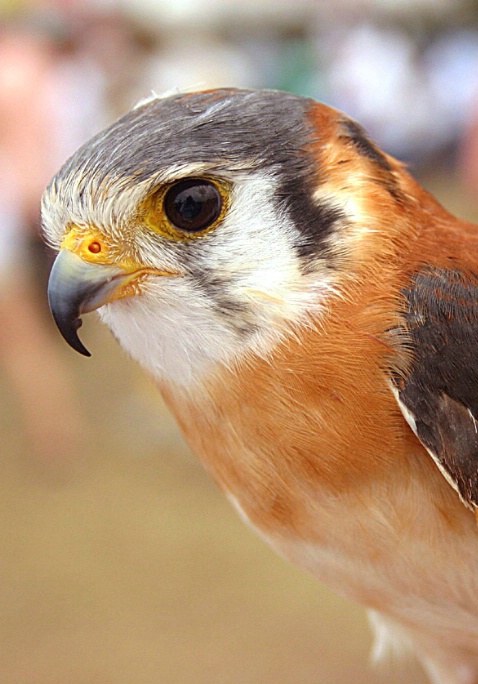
120,562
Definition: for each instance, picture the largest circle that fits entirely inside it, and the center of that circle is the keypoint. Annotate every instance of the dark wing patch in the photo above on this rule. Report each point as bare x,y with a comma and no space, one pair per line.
358,137
439,396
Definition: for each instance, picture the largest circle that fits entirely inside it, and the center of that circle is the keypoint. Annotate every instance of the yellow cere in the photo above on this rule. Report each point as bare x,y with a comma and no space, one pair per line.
91,246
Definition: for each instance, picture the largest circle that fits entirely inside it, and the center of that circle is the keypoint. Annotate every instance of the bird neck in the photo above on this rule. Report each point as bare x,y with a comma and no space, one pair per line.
278,433
311,447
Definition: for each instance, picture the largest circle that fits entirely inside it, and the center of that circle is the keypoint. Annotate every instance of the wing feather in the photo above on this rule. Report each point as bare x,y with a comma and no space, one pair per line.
439,395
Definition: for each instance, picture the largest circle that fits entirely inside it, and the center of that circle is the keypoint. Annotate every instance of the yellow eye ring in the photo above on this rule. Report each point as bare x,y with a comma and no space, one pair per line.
186,209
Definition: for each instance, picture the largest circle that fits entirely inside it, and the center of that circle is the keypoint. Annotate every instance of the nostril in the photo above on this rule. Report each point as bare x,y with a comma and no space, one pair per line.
94,247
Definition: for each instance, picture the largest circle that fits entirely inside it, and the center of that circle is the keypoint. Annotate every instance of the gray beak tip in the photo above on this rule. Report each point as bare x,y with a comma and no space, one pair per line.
72,283
76,287
67,318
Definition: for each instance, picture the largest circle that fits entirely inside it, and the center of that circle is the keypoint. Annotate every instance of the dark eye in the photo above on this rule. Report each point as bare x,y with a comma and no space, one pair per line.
193,205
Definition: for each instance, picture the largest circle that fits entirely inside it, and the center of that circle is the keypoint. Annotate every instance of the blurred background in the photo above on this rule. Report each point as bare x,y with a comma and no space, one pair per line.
120,562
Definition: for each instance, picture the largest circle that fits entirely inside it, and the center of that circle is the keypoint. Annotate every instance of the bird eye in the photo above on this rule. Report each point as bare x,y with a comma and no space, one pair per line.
192,205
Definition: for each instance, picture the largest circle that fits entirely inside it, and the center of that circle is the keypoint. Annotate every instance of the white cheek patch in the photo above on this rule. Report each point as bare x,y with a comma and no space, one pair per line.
257,247
177,329
170,332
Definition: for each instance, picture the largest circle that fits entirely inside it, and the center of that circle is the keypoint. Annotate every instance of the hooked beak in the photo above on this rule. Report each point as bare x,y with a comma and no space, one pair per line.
76,287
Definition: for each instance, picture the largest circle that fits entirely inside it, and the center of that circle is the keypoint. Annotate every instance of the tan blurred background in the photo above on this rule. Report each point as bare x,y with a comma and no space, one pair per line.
120,562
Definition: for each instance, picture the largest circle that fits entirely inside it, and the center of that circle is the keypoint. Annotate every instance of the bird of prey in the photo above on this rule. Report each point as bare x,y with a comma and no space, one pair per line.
310,315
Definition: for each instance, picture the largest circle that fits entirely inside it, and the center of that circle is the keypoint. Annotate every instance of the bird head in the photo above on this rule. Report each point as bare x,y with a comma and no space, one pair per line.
204,226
